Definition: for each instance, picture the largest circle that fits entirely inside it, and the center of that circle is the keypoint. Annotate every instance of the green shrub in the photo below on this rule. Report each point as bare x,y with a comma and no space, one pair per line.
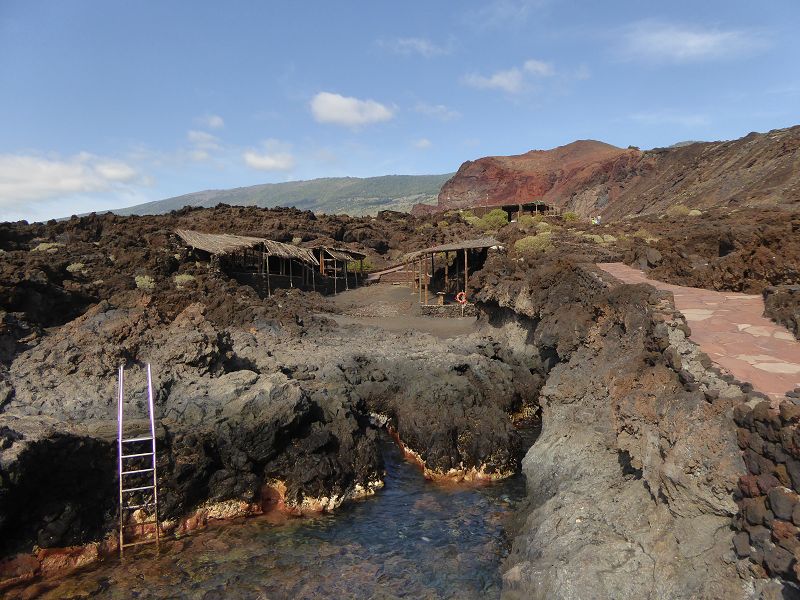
678,210
76,268
541,242
695,213
570,216
609,239
145,282
49,247
443,224
597,239
183,280
645,235
495,219
526,221
543,226
354,266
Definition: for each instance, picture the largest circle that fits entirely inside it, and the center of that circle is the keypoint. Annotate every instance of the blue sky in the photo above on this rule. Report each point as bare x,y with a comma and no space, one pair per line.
108,103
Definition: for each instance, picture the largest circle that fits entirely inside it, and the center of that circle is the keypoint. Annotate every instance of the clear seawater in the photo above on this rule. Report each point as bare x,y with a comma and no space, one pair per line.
413,539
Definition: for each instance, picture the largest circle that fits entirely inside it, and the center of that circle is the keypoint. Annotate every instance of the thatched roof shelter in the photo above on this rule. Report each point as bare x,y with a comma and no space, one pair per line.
221,244
344,254
486,242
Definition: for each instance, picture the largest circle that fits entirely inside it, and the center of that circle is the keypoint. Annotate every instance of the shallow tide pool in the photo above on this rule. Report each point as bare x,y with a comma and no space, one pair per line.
414,539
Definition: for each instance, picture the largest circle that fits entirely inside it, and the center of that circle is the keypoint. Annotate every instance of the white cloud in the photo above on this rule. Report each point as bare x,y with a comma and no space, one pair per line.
664,42
211,121
350,112
37,178
437,111
203,144
275,156
202,139
504,13
538,67
420,46
511,81
422,143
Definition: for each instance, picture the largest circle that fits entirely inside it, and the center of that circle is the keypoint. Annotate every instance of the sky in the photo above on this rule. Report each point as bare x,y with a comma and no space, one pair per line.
110,103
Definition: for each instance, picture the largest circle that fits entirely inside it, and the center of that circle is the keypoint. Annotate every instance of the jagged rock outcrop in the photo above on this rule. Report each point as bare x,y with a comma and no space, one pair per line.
592,178
248,416
632,481
782,305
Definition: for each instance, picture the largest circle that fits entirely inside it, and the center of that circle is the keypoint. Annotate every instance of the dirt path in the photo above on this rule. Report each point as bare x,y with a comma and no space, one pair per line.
394,308
730,328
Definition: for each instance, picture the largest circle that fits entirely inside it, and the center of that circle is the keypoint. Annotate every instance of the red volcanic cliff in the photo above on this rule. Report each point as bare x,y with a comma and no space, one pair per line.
591,177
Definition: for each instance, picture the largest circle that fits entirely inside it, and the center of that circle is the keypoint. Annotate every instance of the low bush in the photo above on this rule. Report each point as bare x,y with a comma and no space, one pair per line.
678,210
495,219
541,242
76,268
145,283
570,216
49,247
182,280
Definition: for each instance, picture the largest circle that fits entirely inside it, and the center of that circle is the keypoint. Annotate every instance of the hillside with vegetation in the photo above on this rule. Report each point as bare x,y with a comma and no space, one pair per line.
331,195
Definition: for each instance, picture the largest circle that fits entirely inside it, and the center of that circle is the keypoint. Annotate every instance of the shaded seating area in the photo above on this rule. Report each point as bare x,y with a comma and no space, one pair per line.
441,272
515,211
340,267
261,263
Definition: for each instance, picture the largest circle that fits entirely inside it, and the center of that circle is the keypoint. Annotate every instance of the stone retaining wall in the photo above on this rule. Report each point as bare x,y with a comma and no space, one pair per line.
770,506
448,311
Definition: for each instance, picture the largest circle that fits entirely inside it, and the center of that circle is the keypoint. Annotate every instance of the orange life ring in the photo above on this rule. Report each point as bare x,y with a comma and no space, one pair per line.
461,298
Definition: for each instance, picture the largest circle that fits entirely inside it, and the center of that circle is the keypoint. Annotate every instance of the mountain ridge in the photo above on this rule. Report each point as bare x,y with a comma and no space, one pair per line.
352,195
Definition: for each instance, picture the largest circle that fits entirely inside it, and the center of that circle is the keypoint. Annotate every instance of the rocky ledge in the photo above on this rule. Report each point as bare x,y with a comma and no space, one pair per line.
250,418
633,483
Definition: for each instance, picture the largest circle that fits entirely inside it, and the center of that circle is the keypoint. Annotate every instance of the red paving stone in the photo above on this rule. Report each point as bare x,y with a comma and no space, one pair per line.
730,328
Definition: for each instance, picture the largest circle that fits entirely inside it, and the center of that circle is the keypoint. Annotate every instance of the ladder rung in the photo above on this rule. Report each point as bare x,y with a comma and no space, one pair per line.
136,489
144,438
135,506
136,471
139,543
137,524
137,455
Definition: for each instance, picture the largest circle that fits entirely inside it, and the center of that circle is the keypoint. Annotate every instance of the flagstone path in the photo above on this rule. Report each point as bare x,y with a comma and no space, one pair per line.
732,330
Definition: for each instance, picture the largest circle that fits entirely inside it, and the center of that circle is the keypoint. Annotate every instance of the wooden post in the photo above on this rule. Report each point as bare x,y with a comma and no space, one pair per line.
446,282
419,265
291,275
427,280
346,278
466,271
269,291
360,269
335,278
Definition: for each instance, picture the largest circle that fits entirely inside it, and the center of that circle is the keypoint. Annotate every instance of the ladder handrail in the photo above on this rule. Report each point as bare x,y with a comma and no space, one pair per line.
120,456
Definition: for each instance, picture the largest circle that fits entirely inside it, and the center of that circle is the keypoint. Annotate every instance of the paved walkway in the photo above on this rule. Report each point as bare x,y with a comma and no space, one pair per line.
730,328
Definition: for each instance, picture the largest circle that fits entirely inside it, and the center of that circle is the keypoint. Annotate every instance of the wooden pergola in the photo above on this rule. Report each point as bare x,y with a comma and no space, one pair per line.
333,264
262,262
425,258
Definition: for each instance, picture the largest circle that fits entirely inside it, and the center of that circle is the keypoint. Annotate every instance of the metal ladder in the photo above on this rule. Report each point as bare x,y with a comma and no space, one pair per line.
136,491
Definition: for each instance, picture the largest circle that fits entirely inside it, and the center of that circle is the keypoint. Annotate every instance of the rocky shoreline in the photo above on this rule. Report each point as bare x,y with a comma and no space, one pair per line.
637,486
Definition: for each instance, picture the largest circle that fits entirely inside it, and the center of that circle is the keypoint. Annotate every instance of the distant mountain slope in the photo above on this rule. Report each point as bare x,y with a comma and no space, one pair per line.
591,178
352,195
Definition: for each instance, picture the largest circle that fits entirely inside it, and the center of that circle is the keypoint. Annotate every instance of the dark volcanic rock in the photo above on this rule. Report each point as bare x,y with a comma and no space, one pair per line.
782,305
